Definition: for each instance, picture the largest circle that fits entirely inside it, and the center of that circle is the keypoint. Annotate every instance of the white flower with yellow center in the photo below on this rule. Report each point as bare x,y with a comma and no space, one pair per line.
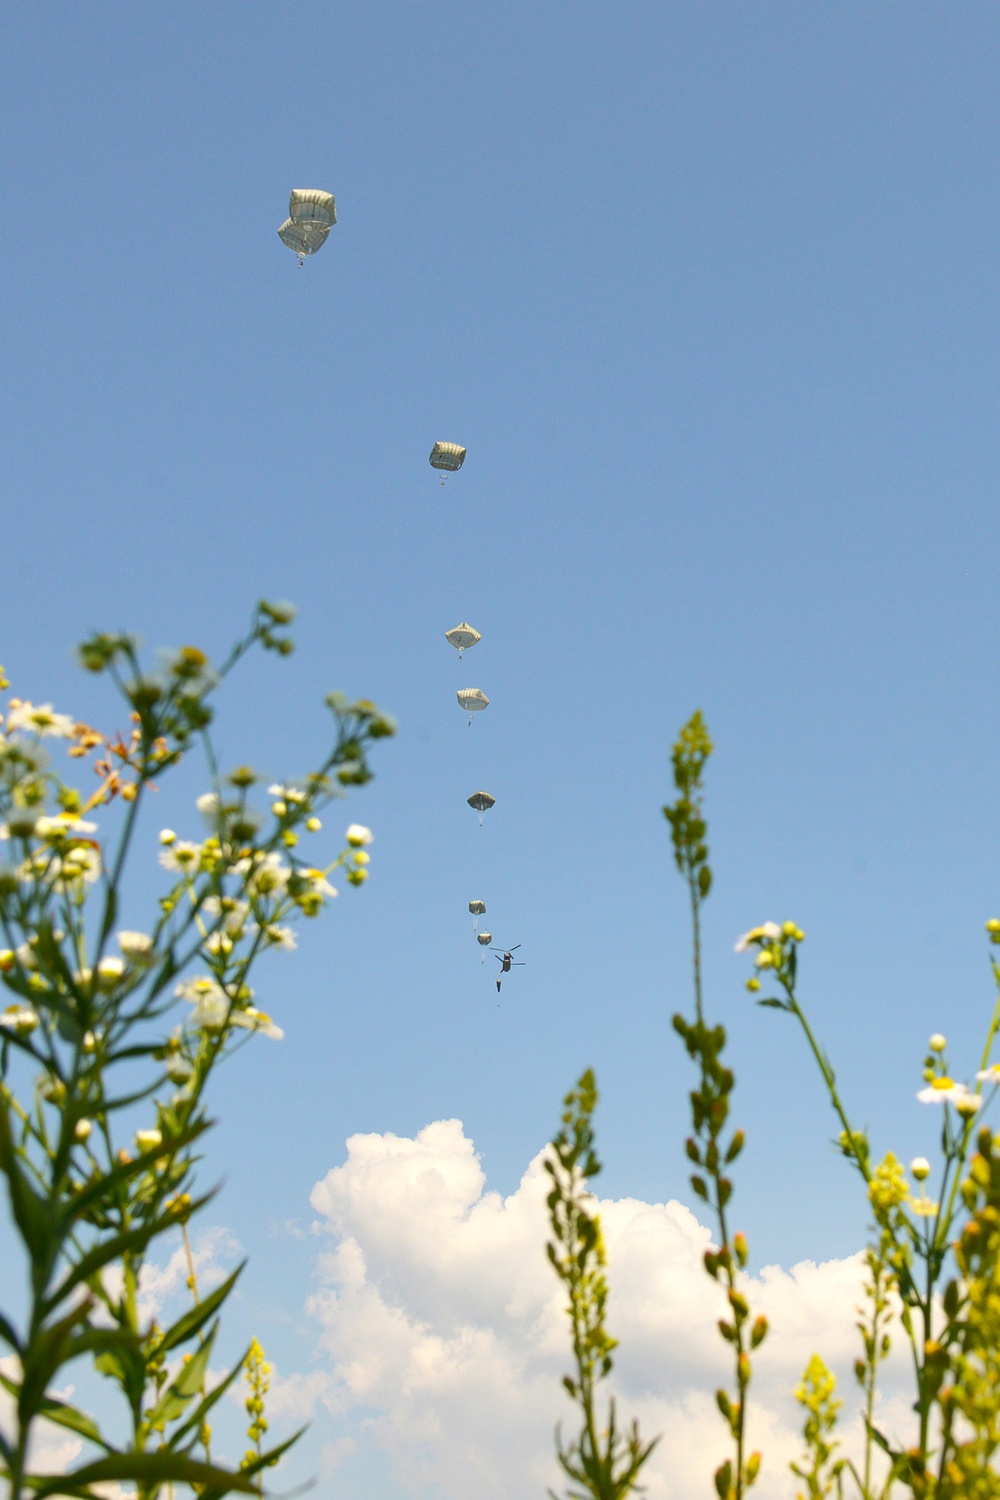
199,987
358,836
40,719
291,794
136,946
109,971
257,1020
990,1074
923,1207
211,1012
318,883
148,1140
62,825
768,932
182,855
946,1091
280,937
233,912
267,875
20,1019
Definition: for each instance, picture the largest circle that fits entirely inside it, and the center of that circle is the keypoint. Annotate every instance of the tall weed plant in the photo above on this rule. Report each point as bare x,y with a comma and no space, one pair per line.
932,1262
107,1026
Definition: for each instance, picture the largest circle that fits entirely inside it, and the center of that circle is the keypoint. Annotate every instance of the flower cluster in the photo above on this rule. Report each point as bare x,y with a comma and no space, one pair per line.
87,1030
774,948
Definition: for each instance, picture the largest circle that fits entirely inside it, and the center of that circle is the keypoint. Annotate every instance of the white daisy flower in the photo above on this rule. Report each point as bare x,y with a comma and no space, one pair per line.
287,793
946,1091
768,932
146,1140
20,1019
357,836
61,825
181,855
267,876
281,937
41,720
208,805
233,912
199,987
210,1012
257,1020
319,884
137,946
990,1074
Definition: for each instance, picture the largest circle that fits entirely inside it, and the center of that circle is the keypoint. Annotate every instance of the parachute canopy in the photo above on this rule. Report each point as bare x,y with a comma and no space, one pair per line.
462,637
481,801
477,908
312,214
473,700
450,456
484,938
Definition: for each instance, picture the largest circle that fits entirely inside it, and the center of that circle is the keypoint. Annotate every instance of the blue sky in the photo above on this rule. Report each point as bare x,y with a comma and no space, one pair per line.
710,294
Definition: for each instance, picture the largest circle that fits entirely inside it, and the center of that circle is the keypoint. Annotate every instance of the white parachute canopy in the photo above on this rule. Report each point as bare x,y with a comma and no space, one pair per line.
311,215
484,939
462,637
473,700
448,456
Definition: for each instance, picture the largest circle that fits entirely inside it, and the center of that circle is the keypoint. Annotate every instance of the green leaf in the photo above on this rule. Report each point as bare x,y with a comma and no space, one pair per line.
31,1213
161,1467
65,1415
263,1462
196,1317
8,1335
49,1348
180,1391
191,1427
774,1004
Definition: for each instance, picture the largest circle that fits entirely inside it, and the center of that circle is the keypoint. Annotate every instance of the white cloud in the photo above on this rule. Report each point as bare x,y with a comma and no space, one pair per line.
443,1336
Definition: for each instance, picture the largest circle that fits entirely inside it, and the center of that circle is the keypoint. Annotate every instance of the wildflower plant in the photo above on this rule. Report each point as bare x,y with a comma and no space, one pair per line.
713,1147
933,1261
601,1461
106,1028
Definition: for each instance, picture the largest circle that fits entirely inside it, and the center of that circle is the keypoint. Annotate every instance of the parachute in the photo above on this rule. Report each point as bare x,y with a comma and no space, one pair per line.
484,939
473,700
462,637
478,909
481,802
312,214
448,456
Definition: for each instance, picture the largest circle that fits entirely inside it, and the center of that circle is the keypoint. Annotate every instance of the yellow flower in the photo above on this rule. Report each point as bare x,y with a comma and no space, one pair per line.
888,1187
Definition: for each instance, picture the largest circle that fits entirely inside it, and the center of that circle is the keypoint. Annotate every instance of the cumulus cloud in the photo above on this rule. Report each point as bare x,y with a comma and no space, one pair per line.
443,1337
